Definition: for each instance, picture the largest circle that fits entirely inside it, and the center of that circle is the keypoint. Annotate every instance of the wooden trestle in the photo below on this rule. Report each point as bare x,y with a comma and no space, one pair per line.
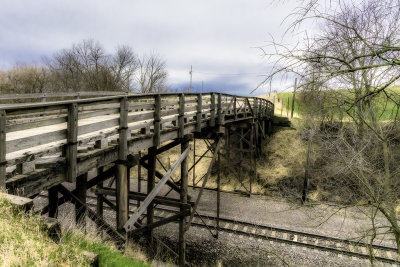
93,143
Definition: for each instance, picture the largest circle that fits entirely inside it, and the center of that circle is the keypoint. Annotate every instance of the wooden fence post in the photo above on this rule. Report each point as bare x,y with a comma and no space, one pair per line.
219,111
199,112
183,199
157,119
181,116
234,107
121,170
2,149
72,142
212,110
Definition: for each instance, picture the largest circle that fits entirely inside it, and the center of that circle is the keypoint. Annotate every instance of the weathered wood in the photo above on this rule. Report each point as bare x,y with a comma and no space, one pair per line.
121,196
212,110
23,203
219,110
185,146
123,130
72,139
199,112
151,195
99,197
217,148
53,228
151,170
161,222
181,121
99,221
235,108
142,196
52,197
157,119
80,192
121,169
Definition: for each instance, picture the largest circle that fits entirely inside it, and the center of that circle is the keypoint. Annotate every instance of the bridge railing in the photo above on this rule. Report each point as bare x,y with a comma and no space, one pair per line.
63,129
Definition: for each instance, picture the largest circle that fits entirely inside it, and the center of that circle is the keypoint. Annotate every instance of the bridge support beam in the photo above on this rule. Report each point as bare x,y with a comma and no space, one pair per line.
151,174
80,210
184,200
53,202
122,196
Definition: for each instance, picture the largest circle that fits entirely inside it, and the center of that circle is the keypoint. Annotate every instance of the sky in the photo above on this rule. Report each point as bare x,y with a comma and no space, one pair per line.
220,39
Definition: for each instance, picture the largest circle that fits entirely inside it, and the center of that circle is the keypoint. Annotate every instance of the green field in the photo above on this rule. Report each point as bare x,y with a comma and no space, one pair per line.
384,109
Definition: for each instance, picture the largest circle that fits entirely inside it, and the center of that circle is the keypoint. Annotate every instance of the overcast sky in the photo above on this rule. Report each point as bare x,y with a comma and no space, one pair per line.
217,37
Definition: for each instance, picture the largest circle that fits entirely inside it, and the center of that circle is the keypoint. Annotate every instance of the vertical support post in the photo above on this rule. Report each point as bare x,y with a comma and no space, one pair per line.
255,109
157,119
219,110
212,110
282,100
218,190
194,161
252,158
183,199
53,202
151,173
139,176
121,170
3,149
245,108
100,201
181,116
235,107
81,187
227,144
72,142
199,112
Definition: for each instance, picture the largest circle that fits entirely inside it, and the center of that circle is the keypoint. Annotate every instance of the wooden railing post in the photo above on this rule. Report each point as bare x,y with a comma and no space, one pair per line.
245,108
157,119
121,170
2,149
212,110
72,142
235,107
181,116
199,112
255,109
219,110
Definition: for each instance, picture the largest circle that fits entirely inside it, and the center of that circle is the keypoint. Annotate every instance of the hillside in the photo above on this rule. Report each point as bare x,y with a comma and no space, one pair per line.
24,242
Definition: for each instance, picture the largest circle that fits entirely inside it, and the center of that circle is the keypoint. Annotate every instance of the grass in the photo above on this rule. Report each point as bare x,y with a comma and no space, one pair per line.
385,110
24,242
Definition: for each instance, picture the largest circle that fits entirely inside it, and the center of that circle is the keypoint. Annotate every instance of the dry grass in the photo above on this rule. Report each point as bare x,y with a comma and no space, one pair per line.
24,242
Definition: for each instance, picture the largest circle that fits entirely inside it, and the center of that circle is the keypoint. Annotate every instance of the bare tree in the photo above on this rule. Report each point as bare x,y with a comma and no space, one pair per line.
86,66
350,65
152,74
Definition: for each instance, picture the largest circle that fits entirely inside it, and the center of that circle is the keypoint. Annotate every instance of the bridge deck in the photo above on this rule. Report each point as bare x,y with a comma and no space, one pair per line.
80,135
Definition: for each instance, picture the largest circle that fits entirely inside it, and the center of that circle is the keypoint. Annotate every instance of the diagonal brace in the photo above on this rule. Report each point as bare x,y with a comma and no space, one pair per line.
130,223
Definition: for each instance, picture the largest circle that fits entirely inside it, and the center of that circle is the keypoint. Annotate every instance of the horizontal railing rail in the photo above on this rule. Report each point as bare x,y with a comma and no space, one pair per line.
30,131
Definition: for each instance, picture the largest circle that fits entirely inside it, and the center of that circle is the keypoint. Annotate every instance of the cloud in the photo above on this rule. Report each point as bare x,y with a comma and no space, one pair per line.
215,37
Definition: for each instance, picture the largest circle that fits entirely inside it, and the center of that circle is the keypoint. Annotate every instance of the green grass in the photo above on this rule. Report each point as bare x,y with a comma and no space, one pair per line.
384,109
108,256
24,242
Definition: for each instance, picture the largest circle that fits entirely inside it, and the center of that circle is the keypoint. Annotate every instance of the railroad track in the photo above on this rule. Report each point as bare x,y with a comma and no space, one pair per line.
275,234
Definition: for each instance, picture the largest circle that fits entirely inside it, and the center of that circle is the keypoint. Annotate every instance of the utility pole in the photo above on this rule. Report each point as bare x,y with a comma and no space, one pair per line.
191,71
294,95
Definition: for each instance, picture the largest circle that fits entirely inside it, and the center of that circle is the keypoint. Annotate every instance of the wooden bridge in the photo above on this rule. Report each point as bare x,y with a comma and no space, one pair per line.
46,146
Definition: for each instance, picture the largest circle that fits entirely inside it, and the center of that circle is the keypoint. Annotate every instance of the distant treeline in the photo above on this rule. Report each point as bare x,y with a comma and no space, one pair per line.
86,66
